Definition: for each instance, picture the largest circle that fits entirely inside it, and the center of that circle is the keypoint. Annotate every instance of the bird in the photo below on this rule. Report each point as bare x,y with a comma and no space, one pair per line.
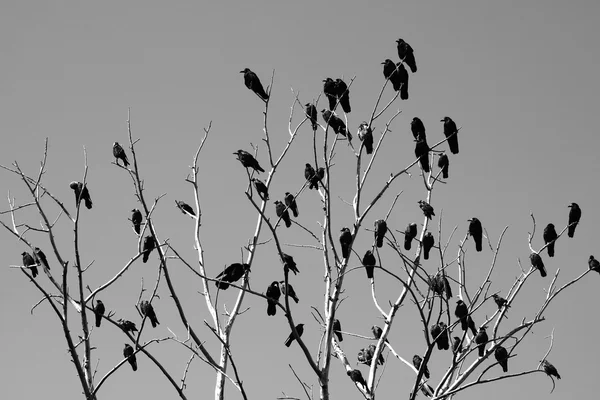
248,160
471,324
288,290
370,352
330,90
345,241
500,301
369,263
282,212
29,262
357,377
290,201
443,163
574,217
291,338
417,360
422,153
363,356
99,311
311,176
390,72
435,284
149,245
81,193
402,77
148,311
136,219
481,339
343,94
462,313
40,258
501,355
456,347
409,234
380,231
311,113
594,264
451,133
428,242
126,325
289,264
185,208
439,333
261,189
119,154
418,129
273,294
253,83
320,173
536,262
407,54
337,329
426,208
476,230
550,236
232,273
447,288
336,124
365,135
550,369
129,354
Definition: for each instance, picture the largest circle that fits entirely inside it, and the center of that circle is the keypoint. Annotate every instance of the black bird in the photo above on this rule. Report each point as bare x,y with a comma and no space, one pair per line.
462,313
126,325
311,176
81,193
377,332
594,264
574,217
345,242
289,264
290,201
29,262
343,94
471,325
129,354
476,230
409,234
422,153
550,236
119,154
311,113
149,245
501,355
330,90
232,273
283,213
273,293
253,83
428,242
380,231
402,75
288,290
365,135
99,311
148,311
407,54
389,72
291,338
436,284
451,132
320,174
136,219
336,123
369,263
439,334
363,357
417,360
337,329
185,208
536,262
248,160
40,258
371,352
443,164
456,347
357,377
481,339
418,129
261,189
500,301
447,287
426,208
550,369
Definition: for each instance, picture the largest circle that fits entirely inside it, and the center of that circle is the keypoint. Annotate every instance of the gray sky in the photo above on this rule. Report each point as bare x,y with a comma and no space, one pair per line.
518,76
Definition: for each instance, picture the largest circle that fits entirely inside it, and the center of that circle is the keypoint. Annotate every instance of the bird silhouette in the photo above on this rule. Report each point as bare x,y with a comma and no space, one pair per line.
253,83
290,201
99,311
40,258
136,220
594,264
185,208
261,189
119,154
451,133
289,264
501,355
311,176
273,294
291,337
500,301
288,290
29,262
426,208
409,234
148,246
129,354
338,126
368,262
81,193
428,242
443,164
248,160
365,135
407,54
311,113
418,129
345,242
126,325
232,273
380,231
148,311
343,94
417,361
481,340
538,263
282,212
439,334
574,217
402,77
337,329
550,369
550,236
390,72
476,231
422,153
330,90
356,377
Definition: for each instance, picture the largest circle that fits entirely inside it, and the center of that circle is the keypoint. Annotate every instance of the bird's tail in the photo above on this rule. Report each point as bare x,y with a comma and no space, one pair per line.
404,91
88,203
504,365
340,338
571,231
478,246
271,308
98,320
426,253
145,256
445,173
289,340
543,271
551,249
288,222
407,243
154,321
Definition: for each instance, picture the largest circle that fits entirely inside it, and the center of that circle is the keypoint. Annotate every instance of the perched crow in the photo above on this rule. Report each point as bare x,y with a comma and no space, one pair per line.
290,201
99,311
456,347
345,242
380,231
136,219
273,293
288,290
389,72
594,264
406,54
232,273
417,360
440,335
370,352
426,208
337,329
481,339
320,174
436,284
363,357
185,208
574,217
330,90
149,245
451,133
550,236
502,357
536,262
402,76
261,189
418,129
248,160
119,154
343,94
129,354
369,262
253,83
443,163
365,135
148,311
409,234
550,369
476,230
40,258
471,325
311,176
289,264
447,287
336,124
311,113
377,332
357,377
29,262
500,301
462,313
283,213
422,153
428,242
126,325
81,193
291,338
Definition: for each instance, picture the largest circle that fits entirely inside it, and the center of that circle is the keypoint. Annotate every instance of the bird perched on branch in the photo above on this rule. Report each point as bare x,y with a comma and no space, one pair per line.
136,220
574,217
443,164
462,313
377,332
248,160
417,360
369,263
418,129
149,245
447,288
273,294
409,234
29,262
380,231
232,273
330,90
536,262
289,264
343,94
594,264
365,135
291,338
481,340
439,333
476,231
501,355
126,325
99,311
311,176
129,354
336,124
290,201
289,291
337,329
456,347
40,258
148,311
253,83
119,154
357,377
345,241
422,153
370,353
407,54
500,301
435,284
261,189
550,369
402,75
428,242
451,133
282,212
426,208
390,72
550,236
185,208
311,113
81,193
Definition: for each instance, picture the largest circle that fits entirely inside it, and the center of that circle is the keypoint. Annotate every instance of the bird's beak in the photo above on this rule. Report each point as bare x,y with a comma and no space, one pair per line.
241,72
234,153
441,120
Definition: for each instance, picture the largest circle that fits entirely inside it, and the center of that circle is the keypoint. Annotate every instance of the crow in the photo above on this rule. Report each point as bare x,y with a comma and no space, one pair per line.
550,369
451,133
40,258
377,332
357,377
119,154
481,339
502,357
418,129
443,163
363,357
29,262
126,325
291,338
447,287
409,234
248,160
536,262
426,208
500,301
422,153
403,79
261,189
462,313
290,201
336,124
311,113
365,135
428,242
594,264
283,213
390,72
380,231
232,273
288,290
476,230
370,352
406,54
311,176
369,263
417,360
136,219
148,311
436,284
550,236
343,94
273,294
253,83
337,329
330,90
149,245
81,193
289,264
440,335
99,311
129,354
345,241
185,208
574,217
471,325
456,347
